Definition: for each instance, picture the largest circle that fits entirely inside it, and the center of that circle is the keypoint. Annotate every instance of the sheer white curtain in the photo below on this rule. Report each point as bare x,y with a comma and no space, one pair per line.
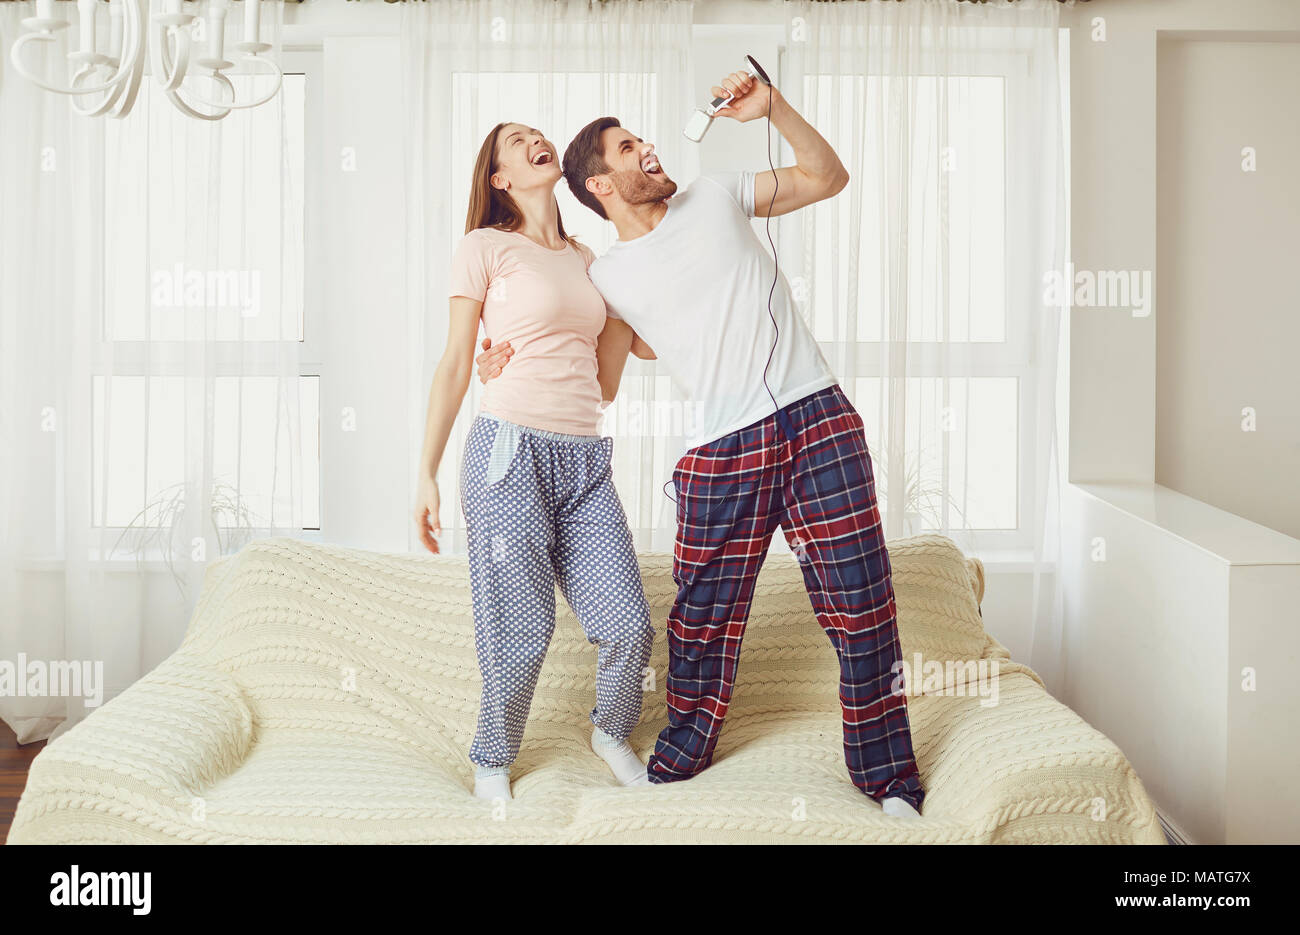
555,65
150,321
924,278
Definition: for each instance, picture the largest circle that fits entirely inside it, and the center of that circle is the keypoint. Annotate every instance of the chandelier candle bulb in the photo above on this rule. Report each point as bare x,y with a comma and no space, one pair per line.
115,32
86,14
216,37
252,20
217,27
252,43
45,9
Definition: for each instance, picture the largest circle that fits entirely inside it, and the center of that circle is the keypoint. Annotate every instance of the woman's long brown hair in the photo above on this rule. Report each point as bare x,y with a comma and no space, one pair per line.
493,207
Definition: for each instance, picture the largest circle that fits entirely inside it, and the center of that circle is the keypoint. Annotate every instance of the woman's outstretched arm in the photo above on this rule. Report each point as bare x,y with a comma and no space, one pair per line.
450,381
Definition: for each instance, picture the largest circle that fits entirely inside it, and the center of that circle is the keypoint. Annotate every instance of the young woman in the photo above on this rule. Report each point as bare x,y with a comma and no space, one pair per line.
536,486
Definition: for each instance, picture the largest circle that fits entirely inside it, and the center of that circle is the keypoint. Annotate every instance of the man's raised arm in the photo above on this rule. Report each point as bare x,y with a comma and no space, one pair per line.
818,173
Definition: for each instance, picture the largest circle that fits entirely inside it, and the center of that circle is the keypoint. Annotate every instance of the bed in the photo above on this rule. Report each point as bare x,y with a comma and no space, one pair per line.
328,695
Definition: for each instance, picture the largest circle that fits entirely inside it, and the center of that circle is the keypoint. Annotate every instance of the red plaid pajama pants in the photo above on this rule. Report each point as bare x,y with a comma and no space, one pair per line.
806,469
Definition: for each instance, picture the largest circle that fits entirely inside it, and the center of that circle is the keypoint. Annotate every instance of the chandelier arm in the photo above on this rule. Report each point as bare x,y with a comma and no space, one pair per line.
170,53
131,28
275,70
111,95
132,86
173,69
186,109
118,103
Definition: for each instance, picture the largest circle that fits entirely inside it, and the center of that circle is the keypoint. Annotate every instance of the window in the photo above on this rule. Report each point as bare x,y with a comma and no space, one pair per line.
965,367
215,260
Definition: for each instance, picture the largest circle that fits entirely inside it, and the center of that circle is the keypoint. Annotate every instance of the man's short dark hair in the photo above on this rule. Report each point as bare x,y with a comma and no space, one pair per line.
585,157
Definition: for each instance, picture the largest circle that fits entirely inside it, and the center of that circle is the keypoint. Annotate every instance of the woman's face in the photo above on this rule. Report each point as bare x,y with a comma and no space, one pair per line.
525,159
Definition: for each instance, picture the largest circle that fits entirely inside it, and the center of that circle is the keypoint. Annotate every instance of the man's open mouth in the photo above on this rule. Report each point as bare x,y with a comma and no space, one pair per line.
545,157
650,165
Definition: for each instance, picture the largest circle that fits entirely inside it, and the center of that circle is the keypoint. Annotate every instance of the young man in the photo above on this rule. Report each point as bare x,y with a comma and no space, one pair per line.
777,442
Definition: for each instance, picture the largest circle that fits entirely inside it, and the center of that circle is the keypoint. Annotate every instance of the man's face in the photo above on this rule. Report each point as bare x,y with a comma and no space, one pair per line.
634,166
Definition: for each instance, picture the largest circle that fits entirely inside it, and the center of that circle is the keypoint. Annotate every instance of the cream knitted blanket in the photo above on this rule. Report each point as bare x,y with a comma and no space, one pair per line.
325,694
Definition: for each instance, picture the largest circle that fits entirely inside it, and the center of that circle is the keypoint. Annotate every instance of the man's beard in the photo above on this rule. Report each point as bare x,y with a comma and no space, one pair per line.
637,188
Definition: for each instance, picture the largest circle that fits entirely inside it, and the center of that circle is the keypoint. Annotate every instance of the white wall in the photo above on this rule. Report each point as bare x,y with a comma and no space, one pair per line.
1146,640
1227,243
1159,634
1181,638
1263,754
365,466
1114,164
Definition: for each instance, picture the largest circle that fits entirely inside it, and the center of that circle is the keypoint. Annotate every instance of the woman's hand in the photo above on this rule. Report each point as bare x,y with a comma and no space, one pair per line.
427,504
492,359
751,96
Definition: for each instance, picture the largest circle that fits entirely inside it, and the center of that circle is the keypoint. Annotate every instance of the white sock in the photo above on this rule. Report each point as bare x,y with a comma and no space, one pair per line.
492,785
622,759
896,807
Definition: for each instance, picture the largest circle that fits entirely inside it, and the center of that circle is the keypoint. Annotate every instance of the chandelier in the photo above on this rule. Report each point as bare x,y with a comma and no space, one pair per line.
106,76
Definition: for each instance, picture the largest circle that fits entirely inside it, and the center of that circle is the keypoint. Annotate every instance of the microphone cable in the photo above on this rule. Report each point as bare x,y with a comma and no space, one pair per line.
776,268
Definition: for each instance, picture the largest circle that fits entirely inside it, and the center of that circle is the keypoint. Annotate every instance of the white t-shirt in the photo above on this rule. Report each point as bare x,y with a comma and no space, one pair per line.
695,289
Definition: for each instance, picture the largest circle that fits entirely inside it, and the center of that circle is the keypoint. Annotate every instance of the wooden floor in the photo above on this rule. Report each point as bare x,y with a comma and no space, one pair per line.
14,762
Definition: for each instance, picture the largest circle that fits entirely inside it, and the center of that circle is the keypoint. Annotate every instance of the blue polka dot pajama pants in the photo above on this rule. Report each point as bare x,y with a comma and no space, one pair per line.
541,510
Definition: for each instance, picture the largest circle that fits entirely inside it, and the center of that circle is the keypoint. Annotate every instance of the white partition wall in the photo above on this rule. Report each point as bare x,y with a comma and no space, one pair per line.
1181,644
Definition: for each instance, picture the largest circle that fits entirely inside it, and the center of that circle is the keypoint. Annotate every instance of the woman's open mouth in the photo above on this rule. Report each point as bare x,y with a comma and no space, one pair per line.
544,158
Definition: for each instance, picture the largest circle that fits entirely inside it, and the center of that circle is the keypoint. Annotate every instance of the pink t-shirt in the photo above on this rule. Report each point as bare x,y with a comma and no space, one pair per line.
543,303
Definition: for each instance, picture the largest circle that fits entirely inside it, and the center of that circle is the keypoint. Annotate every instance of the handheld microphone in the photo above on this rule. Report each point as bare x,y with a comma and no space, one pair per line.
702,118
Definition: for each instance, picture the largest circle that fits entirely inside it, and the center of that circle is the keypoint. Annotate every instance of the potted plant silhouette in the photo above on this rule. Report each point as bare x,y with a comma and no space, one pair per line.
155,529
